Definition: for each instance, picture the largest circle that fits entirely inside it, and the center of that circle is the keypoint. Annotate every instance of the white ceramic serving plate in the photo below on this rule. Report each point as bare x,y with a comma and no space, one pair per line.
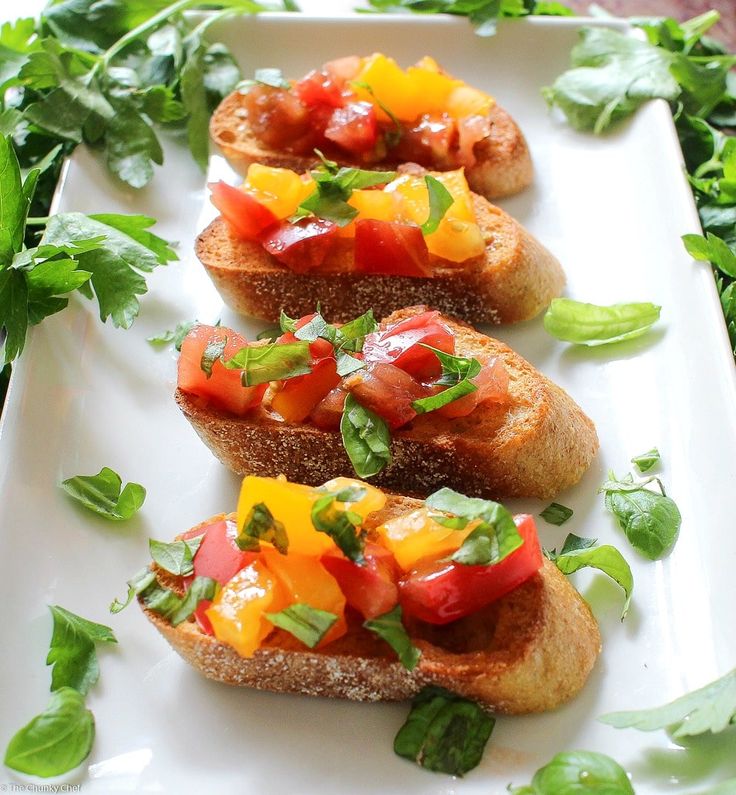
87,395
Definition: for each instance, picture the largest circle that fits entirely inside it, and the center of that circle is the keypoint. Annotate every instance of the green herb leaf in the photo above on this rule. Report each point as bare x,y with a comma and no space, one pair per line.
212,353
13,204
260,525
356,330
175,336
713,249
577,772
287,323
131,145
390,628
646,461
340,524
556,514
271,77
307,624
103,494
72,651
271,362
315,329
454,368
440,201
366,438
449,395
168,604
444,732
650,520
589,324
138,583
57,740
176,557
709,709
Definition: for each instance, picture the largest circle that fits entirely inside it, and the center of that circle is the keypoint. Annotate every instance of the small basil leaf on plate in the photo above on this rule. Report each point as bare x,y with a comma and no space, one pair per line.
440,201
306,623
366,438
340,524
176,557
272,362
72,650
556,514
57,740
103,494
174,336
709,709
590,324
390,628
444,732
578,772
646,461
260,525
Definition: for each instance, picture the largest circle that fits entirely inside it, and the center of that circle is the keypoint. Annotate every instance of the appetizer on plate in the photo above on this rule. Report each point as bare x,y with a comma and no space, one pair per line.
418,401
371,113
347,592
353,240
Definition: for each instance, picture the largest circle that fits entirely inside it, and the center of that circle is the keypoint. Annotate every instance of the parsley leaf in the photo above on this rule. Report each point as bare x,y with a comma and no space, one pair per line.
556,514
103,494
390,628
306,623
176,557
578,772
175,336
366,438
589,324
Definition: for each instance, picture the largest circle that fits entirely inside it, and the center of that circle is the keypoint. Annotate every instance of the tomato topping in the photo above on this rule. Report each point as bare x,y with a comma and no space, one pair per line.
297,397
328,412
388,391
277,118
353,127
320,348
370,588
223,388
390,248
441,591
428,141
472,130
246,217
493,385
399,345
302,245
319,88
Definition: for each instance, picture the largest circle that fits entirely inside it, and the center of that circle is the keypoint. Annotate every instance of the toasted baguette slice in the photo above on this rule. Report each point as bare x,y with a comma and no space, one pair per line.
528,652
515,278
503,164
536,445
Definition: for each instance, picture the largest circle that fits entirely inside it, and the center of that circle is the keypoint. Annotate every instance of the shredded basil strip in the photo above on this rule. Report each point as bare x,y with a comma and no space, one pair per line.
260,525
272,362
390,628
214,351
646,461
307,624
440,201
366,437
341,525
176,557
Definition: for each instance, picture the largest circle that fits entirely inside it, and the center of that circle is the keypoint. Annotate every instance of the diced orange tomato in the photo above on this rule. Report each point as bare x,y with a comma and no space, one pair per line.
376,205
464,100
372,500
279,189
297,397
390,86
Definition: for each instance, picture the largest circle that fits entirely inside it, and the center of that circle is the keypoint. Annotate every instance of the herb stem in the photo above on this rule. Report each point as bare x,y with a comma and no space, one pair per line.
40,221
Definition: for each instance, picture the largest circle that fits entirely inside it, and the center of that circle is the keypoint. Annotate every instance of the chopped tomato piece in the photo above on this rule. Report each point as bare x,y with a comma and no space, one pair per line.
320,348
297,397
471,130
277,118
353,127
302,245
343,69
493,385
399,345
328,412
441,591
223,388
371,588
387,390
429,140
246,217
390,248
319,88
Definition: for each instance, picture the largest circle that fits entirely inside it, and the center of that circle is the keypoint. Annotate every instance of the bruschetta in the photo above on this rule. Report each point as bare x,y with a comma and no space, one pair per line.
346,592
368,112
415,402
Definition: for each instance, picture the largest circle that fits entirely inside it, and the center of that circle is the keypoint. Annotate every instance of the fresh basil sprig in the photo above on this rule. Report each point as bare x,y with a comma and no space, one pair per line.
390,628
260,525
578,772
271,362
366,438
590,324
104,494
306,623
176,557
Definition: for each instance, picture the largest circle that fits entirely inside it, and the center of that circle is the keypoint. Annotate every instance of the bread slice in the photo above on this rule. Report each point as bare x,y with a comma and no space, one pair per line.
535,446
503,163
528,652
515,278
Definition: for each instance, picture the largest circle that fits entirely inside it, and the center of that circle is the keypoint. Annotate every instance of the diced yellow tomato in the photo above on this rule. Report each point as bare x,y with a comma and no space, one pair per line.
236,613
464,100
427,62
306,581
374,204
373,500
432,89
416,535
279,189
390,85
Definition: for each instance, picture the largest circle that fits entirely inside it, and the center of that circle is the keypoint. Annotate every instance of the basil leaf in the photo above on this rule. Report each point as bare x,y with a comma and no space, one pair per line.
575,772
454,368
556,514
260,525
366,438
440,201
352,334
315,329
347,179
138,583
272,362
390,628
713,249
271,77
57,740
102,493
213,352
449,395
444,732
650,521
287,323
307,624
646,461
589,324
578,553
709,709
176,557
175,336
72,650
174,608
340,525
347,364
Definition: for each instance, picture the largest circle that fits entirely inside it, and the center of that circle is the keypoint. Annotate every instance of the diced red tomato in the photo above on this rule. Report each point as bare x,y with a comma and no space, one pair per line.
246,217
493,385
388,391
399,345
390,248
319,88
343,69
277,118
442,591
302,245
319,349
223,388
354,127
297,397
429,141
328,412
371,588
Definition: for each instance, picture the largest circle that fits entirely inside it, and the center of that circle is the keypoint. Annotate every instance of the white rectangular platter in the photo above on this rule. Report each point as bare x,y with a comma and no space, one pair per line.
86,395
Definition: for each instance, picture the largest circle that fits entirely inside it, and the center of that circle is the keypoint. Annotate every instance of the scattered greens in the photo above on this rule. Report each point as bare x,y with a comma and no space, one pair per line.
444,732
307,624
578,553
341,524
104,494
711,709
556,514
646,461
174,336
650,519
176,557
366,438
390,628
271,362
589,324
577,772
260,525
